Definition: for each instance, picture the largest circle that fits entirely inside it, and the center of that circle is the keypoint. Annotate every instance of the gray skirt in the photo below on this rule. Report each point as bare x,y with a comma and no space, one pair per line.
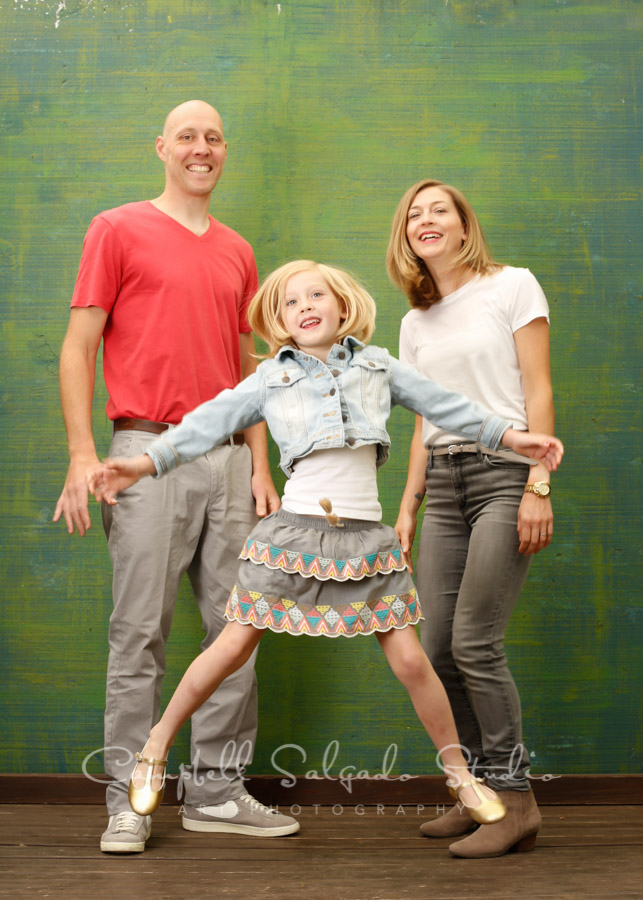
302,575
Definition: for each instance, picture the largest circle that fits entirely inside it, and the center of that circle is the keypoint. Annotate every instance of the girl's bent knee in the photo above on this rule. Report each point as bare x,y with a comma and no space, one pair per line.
412,669
235,647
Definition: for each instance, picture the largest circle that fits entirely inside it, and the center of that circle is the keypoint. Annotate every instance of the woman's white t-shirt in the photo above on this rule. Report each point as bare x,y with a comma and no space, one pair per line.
465,342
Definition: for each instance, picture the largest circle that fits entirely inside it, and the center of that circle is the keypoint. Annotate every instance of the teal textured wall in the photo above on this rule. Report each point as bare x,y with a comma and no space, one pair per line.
331,110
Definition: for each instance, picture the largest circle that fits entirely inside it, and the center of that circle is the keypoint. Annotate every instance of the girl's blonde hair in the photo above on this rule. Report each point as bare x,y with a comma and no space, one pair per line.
408,272
264,312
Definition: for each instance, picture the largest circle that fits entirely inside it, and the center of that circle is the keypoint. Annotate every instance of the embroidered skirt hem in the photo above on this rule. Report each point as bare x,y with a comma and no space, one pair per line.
301,575
310,565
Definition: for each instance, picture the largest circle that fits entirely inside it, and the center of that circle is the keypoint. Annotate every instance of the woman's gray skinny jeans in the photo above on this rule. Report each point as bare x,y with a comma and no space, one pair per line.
469,577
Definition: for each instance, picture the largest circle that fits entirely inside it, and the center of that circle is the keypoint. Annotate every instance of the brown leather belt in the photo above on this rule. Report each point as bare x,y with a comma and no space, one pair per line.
140,425
124,424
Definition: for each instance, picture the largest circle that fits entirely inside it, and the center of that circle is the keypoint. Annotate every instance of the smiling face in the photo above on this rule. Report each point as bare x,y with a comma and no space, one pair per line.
434,228
192,148
311,313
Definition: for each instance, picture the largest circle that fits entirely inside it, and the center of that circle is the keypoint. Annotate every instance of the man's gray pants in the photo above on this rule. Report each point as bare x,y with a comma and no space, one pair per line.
193,520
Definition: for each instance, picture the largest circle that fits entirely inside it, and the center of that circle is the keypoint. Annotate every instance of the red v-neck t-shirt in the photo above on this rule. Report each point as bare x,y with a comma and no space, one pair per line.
177,303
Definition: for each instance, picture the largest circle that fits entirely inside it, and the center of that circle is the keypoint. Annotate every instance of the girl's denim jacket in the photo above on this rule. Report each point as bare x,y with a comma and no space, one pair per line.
311,405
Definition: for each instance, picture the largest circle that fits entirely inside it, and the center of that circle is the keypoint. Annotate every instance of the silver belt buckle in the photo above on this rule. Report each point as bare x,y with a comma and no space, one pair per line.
453,449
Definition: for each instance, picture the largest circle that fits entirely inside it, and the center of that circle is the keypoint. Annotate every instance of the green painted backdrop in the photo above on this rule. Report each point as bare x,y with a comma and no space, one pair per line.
331,110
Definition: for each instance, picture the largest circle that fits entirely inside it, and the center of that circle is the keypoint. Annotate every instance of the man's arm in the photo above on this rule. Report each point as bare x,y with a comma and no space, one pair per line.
263,489
77,374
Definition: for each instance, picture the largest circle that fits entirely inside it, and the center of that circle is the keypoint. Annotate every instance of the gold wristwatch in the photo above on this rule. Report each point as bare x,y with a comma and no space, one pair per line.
542,488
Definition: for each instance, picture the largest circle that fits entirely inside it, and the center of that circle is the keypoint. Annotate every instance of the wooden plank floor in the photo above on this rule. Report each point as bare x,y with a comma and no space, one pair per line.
582,852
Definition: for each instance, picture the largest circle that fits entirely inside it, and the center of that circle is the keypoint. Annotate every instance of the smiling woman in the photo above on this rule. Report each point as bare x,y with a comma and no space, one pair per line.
482,329
435,230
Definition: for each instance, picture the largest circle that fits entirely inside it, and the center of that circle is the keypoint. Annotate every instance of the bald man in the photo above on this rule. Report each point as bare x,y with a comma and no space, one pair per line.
166,288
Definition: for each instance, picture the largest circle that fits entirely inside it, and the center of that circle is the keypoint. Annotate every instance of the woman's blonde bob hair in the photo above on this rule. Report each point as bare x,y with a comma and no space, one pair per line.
264,312
408,272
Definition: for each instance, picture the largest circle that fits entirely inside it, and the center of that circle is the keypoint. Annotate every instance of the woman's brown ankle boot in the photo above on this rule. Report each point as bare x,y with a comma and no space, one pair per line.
453,823
516,832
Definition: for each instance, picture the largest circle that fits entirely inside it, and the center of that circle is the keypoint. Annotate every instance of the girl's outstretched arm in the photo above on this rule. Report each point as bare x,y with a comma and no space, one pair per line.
544,447
116,474
453,412
208,425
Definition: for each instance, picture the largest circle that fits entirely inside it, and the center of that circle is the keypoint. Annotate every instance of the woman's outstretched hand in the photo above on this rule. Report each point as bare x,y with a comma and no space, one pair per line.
544,447
116,474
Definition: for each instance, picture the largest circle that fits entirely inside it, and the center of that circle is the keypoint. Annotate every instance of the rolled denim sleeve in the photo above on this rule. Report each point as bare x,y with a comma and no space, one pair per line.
209,424
448,409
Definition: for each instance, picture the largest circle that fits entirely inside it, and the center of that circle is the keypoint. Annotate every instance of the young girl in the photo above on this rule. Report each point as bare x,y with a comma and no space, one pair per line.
323,564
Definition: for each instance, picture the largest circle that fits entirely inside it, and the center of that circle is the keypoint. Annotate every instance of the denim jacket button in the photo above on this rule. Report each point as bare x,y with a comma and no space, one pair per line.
286,379
371,364
332,392
341,355
350,441
334,372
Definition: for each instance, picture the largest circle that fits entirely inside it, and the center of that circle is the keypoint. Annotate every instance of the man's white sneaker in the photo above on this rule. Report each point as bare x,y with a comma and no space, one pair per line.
126,833
243,815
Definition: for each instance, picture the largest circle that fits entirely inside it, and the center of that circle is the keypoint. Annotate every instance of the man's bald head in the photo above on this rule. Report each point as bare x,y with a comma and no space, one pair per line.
184,111
193,150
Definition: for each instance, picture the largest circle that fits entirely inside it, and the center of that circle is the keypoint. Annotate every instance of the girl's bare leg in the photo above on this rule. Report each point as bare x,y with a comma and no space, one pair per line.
225,655
411,665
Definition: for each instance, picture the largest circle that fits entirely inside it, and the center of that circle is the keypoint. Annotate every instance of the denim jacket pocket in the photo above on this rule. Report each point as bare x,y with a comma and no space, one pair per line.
285,376
371,365
285,406
374,387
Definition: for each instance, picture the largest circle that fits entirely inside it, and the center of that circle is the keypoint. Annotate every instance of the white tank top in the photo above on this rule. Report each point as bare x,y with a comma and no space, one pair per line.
346,476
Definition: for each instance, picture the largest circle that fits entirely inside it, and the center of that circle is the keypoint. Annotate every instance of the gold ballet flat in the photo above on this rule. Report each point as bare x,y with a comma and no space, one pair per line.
488,811
145,800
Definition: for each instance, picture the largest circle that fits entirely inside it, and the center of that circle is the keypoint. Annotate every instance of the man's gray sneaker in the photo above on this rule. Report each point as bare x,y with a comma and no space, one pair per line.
126,833
244,815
